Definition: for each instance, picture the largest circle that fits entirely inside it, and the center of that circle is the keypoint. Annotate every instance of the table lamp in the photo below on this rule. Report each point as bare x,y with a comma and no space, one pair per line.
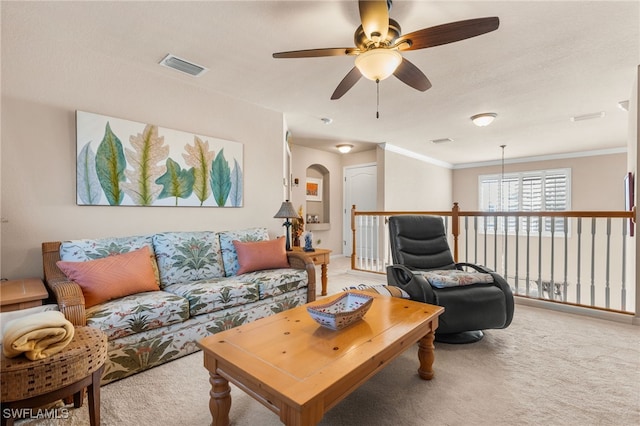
287,212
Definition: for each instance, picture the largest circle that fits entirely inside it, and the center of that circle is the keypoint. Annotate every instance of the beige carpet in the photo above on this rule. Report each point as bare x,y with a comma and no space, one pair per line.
547,368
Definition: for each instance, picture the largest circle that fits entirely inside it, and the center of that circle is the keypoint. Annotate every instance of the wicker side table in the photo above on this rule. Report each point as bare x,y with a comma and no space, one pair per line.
30,384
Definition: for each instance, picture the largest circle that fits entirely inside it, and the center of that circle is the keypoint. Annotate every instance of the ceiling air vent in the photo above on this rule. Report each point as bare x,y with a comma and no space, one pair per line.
443,140
182,65
588,116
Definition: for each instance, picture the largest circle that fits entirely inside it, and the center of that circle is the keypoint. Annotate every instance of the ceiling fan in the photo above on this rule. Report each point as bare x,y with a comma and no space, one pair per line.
379,41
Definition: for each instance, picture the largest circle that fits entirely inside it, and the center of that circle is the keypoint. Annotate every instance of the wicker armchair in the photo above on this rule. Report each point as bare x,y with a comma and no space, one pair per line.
68,294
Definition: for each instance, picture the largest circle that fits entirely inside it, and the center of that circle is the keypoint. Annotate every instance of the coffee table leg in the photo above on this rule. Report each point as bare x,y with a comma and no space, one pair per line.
220,401
323,277
426,356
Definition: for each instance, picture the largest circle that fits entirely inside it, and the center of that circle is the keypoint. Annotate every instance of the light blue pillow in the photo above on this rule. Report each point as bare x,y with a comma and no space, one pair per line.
91,249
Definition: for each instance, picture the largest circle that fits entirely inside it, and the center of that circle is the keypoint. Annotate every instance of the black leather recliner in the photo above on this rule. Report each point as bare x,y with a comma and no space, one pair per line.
419,243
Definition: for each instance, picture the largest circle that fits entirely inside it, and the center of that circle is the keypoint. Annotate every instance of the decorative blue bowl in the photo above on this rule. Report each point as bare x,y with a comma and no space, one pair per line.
341,312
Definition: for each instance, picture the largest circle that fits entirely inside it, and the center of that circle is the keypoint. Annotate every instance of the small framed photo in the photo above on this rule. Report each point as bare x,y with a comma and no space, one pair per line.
314,189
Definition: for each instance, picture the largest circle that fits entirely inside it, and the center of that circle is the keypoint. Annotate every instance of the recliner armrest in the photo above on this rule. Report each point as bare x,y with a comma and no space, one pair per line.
498,281
411,281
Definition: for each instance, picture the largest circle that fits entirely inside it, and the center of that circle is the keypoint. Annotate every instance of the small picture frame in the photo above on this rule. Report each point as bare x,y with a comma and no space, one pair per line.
314,189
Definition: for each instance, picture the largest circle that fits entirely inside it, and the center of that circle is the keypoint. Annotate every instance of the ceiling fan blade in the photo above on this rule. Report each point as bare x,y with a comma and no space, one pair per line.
412,76
375,18
347,83
447,33
315,53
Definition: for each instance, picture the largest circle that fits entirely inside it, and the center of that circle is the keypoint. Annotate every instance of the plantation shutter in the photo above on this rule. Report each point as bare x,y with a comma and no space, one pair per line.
490,198
555,198
546,190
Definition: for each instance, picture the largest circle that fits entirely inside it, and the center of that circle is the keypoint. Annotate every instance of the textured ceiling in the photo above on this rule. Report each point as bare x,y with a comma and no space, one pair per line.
548,61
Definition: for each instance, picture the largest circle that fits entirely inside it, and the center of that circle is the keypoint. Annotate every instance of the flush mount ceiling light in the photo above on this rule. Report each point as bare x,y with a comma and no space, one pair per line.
588,116
378,64
344,148
484,119
182,65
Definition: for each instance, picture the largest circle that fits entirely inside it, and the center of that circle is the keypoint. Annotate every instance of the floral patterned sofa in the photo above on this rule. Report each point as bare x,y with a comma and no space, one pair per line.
197,291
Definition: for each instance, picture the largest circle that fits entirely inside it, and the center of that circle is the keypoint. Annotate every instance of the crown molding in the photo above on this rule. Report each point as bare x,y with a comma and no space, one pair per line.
407,153
424,158
594,153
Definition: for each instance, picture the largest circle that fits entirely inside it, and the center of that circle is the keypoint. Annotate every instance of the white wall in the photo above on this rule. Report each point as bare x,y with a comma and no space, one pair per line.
596,182
303,157
39,99
414,185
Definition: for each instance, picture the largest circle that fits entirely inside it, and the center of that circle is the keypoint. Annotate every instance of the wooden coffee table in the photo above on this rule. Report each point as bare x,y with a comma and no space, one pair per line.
300,370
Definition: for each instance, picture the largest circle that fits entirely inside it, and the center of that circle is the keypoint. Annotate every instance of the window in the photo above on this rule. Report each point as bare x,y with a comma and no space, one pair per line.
545,190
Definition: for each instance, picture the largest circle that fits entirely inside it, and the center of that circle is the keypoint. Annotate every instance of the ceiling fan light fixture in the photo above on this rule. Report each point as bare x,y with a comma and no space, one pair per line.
484,119
344,148
379,63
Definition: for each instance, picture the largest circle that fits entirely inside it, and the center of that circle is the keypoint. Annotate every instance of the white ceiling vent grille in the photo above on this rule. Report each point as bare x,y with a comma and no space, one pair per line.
443,140
182,65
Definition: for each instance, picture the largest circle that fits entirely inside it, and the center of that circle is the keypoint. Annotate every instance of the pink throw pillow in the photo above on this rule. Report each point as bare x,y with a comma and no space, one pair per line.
112,277
258,255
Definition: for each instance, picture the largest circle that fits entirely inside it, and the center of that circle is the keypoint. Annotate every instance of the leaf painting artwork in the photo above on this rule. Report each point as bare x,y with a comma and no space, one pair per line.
176,182
110,164
235,196
200,157
127,163
220,179
148,150
89,190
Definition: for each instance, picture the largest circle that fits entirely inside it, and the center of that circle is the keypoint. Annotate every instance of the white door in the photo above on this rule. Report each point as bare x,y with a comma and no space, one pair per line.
360,188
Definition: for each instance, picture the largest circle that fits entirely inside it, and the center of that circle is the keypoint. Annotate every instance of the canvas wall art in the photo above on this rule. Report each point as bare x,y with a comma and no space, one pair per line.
126,163
314,189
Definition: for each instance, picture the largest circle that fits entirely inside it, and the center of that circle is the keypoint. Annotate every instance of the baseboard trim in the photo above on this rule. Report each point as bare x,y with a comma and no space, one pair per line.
578,310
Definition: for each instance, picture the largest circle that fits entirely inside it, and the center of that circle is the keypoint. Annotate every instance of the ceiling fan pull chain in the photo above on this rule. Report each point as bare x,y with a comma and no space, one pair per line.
377,98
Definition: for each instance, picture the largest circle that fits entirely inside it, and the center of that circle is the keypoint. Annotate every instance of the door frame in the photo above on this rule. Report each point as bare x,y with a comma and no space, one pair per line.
346,212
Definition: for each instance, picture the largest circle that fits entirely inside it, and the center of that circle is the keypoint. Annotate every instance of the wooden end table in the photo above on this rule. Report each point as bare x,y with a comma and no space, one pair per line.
319,257
300,370
21,294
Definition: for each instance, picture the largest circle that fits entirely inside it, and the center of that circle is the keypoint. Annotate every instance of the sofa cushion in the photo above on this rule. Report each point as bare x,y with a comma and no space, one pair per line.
229,254
187,256
91,249
112,277
259,255
136,313
272,282
216,294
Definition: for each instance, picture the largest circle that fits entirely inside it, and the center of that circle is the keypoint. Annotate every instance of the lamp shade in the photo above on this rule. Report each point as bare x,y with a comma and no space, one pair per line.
379,63
286,211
